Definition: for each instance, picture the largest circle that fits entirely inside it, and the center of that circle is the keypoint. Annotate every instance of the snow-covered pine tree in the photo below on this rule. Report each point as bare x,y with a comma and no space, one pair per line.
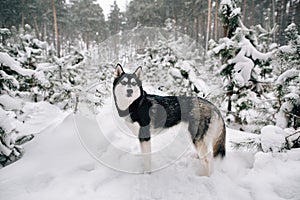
287,67
12,74
25,48
271,139
29,73
55,79
171,62
9,150
58,80
242,68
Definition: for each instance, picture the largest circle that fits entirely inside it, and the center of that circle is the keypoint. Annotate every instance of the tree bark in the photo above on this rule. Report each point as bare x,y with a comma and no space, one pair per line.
216,24
278,19
244,11
274,19
57,44
253,13
87,41
37,29
23,15
283,19
197,29
208,28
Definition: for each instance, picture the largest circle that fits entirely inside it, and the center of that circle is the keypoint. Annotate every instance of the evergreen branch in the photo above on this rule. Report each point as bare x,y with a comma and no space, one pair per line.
247,144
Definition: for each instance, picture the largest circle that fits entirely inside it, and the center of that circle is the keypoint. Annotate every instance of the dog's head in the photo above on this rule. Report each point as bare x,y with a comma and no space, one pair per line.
127,87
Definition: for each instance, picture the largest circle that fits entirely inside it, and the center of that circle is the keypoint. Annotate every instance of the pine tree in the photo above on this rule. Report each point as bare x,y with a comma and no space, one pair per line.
287,62
242,66
114,19
147,13
29,72
89,21
12,76
173,53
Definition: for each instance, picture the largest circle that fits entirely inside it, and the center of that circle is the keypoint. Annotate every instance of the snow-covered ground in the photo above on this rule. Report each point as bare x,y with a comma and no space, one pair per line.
57,165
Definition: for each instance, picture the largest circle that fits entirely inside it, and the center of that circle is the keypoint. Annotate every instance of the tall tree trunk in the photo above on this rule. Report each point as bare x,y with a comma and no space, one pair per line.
253,13
278,21
296,17
274,19
174,13
37,29
87,40
196,24
208,28
57,43
216,24
194,35
23,14
284,18
244,11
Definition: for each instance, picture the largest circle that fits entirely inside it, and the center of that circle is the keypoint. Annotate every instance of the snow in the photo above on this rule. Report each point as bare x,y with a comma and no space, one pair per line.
187,66
224,43
288,74
5,121
37,117
56,165
175,72
281,119
8,61
199,83
287,49
243,64
226,2
272,138
11,79
243,68
235,12
7,127
4,31
10,103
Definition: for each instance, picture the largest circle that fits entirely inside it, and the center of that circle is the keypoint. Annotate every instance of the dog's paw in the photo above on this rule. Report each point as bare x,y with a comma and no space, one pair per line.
195,156
147,172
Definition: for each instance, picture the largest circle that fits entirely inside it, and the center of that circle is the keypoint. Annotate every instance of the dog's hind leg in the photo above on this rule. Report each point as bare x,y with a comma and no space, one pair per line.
202,142
212,142
205,156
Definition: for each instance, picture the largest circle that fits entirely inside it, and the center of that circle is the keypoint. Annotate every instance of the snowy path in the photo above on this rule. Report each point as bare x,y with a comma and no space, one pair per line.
57,166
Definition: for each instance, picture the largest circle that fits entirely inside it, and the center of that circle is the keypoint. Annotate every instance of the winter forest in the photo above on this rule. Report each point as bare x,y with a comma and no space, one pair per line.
57,60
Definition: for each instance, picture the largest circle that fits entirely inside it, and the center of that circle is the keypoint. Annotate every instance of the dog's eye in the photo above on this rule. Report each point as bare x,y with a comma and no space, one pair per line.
123,82
133,83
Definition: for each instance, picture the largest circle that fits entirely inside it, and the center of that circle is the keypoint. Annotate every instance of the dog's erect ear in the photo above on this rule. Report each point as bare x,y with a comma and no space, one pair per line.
118,71
138,73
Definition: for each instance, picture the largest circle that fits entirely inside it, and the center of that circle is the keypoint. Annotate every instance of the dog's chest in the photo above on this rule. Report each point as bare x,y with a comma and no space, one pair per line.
134,127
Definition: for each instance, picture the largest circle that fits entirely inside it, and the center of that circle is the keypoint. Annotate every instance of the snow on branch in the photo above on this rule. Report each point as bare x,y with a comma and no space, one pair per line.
271,139
6,122
288,74
14,65
12,79
244,60
247,49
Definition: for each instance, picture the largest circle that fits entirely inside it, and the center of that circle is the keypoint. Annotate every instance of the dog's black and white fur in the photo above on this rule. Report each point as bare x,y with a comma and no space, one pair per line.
205,124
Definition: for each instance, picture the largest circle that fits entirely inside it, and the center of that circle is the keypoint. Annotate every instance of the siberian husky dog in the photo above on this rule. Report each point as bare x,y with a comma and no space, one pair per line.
206,126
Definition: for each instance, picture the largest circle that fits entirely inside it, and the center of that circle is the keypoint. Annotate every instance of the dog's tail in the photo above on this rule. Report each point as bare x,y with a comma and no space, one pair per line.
219,148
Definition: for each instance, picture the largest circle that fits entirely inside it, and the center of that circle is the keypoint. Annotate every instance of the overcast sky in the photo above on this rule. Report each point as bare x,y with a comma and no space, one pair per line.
105,5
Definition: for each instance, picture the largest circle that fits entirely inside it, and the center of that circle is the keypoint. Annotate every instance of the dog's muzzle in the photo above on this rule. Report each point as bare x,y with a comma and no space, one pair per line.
129,92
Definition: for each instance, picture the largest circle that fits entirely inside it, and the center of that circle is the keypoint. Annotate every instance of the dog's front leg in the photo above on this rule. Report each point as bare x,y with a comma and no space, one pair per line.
146,151
145,143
